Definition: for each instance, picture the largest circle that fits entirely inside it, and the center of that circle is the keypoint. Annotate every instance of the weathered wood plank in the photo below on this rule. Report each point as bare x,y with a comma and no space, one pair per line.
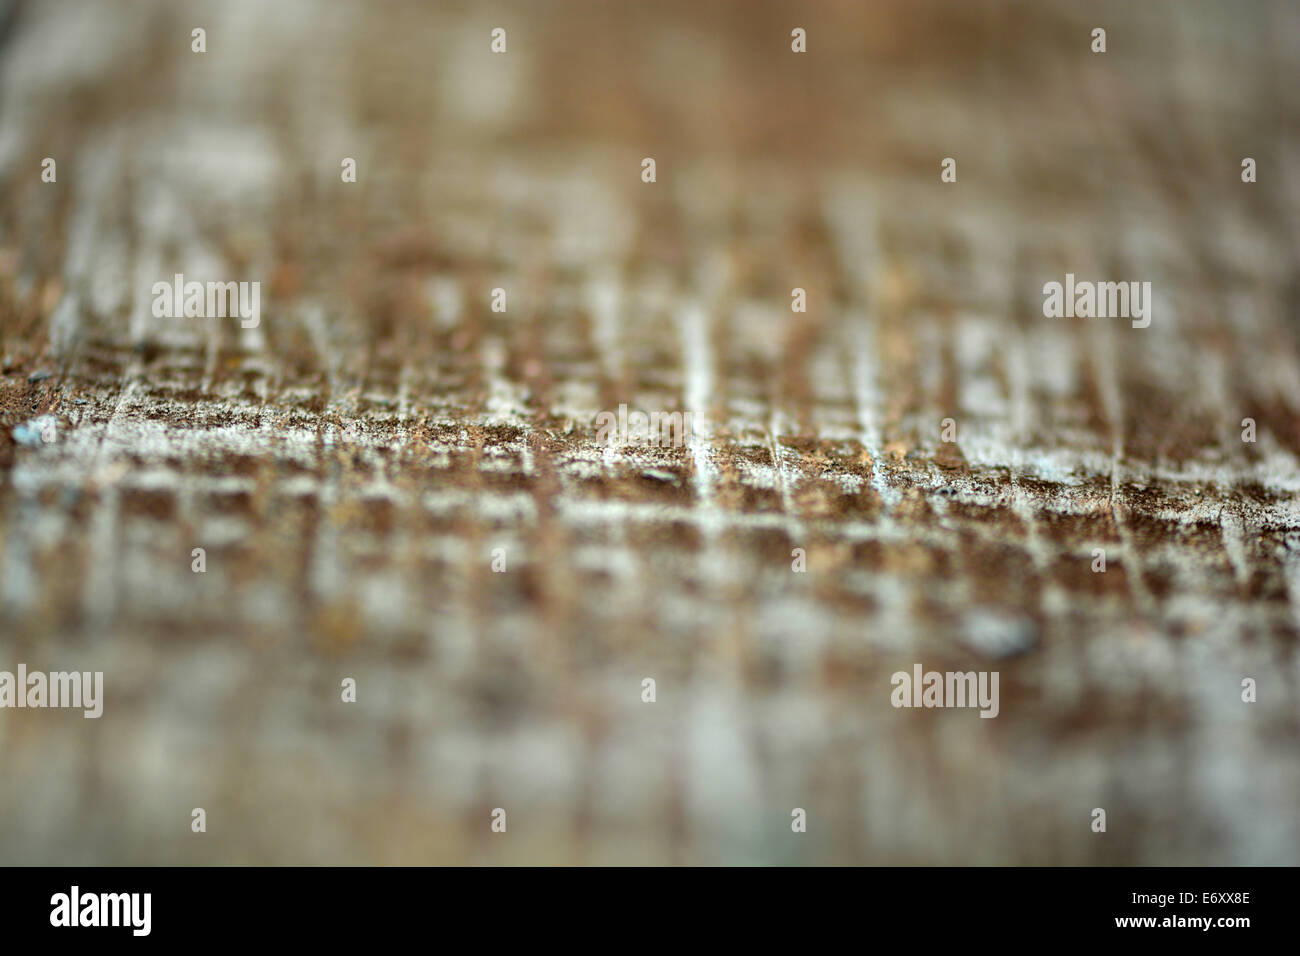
350,463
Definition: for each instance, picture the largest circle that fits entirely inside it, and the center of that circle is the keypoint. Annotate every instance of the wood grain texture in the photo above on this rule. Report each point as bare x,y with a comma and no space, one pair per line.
350,463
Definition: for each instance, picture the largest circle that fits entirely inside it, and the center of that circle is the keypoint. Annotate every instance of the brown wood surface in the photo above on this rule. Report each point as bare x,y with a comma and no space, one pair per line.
350,463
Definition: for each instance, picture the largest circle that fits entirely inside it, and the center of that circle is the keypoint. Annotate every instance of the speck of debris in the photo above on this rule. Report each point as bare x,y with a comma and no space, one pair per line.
660,475
40,376
38,431
999,636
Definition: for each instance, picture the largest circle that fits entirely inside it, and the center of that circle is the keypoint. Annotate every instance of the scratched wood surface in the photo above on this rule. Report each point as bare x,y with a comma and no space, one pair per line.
350,463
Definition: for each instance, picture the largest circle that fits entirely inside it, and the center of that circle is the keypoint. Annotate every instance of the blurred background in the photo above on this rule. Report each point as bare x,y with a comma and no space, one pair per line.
350,464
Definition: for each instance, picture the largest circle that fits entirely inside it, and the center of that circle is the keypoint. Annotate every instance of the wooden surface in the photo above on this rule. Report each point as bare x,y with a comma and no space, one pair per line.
350,464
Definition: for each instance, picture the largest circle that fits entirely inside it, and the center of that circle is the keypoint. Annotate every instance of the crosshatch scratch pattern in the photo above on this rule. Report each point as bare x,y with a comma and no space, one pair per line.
350,464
